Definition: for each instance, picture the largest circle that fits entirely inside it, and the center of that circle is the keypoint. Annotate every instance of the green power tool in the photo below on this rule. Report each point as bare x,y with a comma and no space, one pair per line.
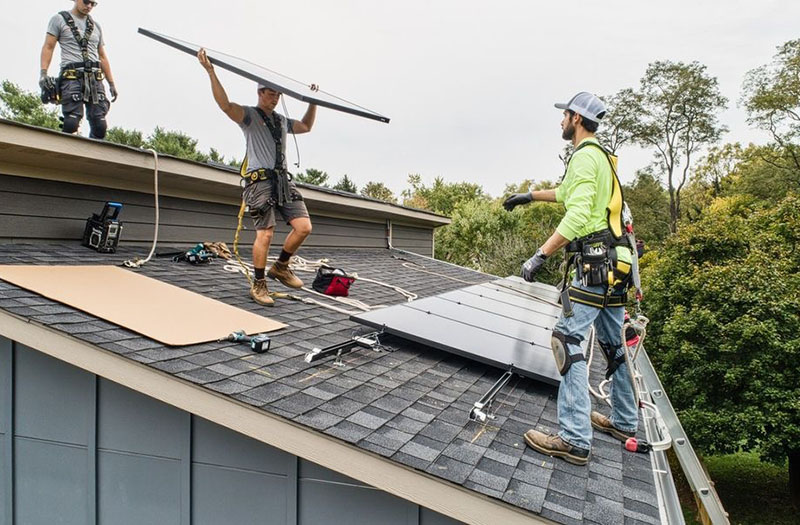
259,343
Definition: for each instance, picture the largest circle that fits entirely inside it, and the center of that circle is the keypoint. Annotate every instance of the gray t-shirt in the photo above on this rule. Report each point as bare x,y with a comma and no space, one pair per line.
70,48
260,144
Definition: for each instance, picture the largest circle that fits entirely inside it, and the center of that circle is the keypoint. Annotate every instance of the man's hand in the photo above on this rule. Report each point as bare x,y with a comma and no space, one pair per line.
113,90
517,199
533,265
204,61
45,82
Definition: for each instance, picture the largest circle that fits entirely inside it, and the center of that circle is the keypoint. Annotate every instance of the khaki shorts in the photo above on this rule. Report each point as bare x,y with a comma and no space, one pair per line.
258,197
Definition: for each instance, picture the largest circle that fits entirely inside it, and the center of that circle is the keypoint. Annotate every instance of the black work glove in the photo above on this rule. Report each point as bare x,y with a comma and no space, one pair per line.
517,199
46,83
113,90
533,265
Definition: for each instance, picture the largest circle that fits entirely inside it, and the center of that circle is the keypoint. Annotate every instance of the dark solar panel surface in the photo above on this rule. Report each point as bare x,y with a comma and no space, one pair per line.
505,323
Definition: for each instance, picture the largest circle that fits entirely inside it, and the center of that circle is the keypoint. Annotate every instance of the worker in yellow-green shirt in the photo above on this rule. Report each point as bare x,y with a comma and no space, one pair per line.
597,247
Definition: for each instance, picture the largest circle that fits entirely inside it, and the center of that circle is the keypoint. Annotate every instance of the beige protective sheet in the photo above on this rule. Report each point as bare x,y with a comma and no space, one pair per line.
155,309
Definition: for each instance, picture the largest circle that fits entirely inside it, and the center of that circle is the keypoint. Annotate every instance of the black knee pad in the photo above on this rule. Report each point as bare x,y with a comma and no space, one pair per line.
97,128
71,123
564,360
610,353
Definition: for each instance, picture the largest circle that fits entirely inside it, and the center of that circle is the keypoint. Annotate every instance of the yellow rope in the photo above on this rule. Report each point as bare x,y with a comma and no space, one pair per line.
245,269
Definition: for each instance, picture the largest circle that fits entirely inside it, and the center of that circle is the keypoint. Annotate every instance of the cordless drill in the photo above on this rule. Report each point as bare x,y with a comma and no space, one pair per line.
259,343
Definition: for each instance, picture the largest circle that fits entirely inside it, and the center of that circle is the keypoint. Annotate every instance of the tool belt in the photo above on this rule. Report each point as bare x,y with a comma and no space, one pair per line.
259,174
84,72
596,264
77,70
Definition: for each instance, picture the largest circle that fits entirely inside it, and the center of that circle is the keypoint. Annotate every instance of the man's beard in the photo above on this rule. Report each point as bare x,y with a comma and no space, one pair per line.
569,132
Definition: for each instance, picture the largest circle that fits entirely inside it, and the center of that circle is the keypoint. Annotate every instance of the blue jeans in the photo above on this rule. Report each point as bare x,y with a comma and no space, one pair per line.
574,405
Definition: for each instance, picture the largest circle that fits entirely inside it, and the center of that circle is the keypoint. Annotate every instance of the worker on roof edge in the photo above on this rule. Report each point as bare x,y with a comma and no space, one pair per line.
268,188
84,65
596,244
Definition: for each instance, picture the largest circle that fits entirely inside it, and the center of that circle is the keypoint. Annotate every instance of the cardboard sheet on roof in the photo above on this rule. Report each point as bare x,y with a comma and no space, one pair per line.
158,310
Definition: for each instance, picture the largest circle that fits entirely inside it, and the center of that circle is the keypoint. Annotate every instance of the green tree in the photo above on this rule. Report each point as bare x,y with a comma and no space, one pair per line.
649,204
618,124
378,190
723,297
26,107
771,96
312,176
128,137
676,115
440,197
345,184
175,143
485,237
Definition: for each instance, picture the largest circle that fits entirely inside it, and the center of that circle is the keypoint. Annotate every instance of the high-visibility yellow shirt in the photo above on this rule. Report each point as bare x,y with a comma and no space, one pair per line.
586,192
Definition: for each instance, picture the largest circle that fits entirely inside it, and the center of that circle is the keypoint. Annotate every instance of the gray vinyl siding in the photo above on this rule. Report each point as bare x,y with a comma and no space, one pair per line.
78,449
50,211
413,239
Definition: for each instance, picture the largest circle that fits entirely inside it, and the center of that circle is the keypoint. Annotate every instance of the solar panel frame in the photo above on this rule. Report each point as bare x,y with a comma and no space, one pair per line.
300,91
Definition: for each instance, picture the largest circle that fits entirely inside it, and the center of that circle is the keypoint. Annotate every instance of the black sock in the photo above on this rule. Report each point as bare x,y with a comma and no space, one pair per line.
284,256
259,273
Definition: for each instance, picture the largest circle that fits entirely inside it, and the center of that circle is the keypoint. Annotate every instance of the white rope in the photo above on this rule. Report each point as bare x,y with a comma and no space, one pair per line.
137,262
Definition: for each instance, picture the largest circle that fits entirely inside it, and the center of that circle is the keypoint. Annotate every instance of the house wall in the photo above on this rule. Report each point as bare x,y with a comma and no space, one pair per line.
78,449
39,210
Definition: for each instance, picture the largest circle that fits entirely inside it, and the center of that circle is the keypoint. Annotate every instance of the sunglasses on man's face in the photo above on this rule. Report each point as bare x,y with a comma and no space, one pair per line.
89,3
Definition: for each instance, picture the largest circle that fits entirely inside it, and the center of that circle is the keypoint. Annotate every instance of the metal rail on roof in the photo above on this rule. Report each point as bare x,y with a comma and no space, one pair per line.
690,464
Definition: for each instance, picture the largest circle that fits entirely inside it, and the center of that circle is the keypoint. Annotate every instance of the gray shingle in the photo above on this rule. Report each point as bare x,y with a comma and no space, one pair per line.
523,495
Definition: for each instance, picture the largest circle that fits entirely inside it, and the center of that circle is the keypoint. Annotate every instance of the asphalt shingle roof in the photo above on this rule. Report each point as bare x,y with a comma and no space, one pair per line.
409,404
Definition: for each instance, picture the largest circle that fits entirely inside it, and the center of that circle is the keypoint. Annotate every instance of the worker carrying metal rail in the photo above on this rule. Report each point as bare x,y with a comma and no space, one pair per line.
268,188
84,65
598,248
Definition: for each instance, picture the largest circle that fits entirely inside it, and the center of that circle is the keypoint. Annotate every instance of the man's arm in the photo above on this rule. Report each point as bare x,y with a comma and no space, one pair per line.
47,52
234,111
105,67
553,244
544,195
524,198
305,125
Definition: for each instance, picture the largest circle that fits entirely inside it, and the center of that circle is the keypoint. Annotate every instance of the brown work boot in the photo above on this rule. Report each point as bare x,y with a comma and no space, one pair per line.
553,445
281,271
260,293
603,424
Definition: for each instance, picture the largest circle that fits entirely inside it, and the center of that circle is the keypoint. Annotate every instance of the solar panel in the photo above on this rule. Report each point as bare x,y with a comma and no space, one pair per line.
505,323
267,77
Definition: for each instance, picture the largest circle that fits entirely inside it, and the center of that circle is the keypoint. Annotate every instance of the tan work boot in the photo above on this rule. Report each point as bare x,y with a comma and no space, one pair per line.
603,424
281,271
260,293
554,446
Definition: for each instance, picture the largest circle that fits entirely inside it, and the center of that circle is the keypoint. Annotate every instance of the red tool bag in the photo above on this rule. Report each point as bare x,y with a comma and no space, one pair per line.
333,281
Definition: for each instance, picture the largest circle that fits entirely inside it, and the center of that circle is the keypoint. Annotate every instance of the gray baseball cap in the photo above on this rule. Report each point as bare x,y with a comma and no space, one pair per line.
586,105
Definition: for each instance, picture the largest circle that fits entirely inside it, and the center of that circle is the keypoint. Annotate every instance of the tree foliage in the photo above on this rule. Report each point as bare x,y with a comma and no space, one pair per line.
128,137
23,106
772,99
723,297
346,184
649,204
378,190
440,197
675,113
313,176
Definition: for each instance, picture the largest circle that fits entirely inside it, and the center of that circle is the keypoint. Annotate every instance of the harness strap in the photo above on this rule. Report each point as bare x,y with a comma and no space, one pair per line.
89,87
595,299
282,190
613,361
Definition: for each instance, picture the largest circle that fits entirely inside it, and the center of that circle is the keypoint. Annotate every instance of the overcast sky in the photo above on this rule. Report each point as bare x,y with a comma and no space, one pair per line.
469,86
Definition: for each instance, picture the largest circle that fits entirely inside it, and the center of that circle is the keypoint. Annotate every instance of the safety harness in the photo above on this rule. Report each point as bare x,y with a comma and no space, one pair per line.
282,192
87,70
594,256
